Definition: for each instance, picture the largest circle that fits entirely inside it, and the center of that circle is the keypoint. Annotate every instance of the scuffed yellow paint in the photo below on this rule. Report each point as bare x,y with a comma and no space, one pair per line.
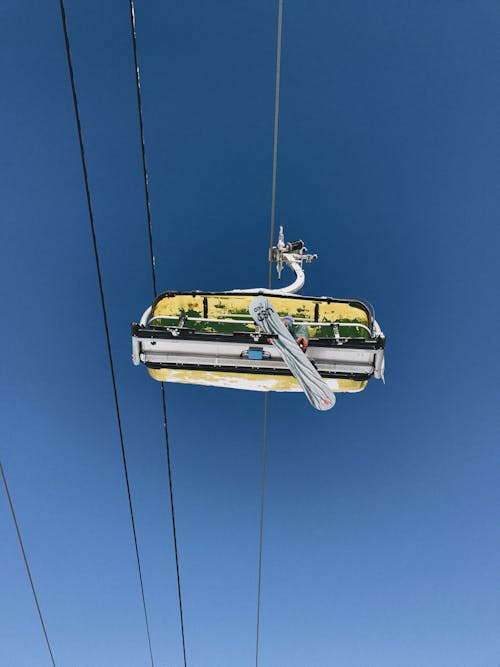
248,381
338,312
228,305
179,304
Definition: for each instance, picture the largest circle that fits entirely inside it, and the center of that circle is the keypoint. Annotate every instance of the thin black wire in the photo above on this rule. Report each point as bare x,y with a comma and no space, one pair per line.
155,293
20,540
275,141
173,521
270,279
263,479
104,313
143,145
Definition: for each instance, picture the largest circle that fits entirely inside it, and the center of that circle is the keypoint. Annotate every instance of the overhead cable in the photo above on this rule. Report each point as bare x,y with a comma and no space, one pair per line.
261,525
105,316
275,138
155,294
28,570
143,145
270,280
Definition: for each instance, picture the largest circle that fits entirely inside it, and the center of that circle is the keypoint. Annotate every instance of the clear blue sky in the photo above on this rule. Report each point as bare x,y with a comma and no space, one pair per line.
381,542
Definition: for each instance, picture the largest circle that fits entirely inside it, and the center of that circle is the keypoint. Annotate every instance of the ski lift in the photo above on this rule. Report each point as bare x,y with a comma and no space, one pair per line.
209,338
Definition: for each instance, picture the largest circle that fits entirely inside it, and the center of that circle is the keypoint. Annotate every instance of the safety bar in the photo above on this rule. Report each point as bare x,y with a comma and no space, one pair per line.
232,321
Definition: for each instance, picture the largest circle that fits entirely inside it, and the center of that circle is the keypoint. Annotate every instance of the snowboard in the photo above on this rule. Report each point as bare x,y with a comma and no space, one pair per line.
317,391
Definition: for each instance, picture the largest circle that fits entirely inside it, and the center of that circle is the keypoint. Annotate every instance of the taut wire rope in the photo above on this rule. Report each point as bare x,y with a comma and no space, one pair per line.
28,570
270,279
104,313
275,139
155,293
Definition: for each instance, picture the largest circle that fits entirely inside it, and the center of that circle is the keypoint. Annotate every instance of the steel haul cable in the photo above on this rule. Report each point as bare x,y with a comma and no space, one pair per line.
153,269
270,279
275,138
155,293
28,570
104,313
